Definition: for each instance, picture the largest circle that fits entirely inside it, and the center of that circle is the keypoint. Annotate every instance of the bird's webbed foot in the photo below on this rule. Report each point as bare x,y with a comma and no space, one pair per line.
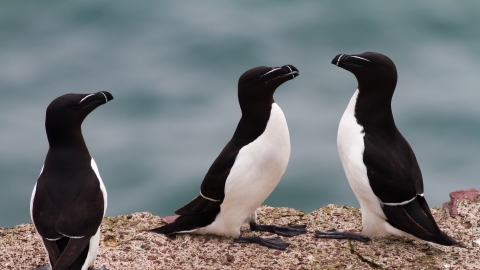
288,231
334,234
274,242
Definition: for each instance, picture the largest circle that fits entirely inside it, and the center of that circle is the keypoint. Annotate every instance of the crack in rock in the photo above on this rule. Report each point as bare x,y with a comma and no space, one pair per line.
363,259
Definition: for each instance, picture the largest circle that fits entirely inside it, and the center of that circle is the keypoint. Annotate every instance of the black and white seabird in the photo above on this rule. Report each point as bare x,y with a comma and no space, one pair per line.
248,168
378,162
69,199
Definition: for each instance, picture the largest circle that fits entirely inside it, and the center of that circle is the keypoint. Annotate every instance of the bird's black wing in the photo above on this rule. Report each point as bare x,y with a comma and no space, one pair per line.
52,250
213,185
71,208
202,210
396,179
72,251
416,219
392,168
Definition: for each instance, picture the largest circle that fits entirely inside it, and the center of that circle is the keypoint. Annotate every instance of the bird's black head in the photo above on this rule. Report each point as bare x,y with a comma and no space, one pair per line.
66,113
258,85
372,70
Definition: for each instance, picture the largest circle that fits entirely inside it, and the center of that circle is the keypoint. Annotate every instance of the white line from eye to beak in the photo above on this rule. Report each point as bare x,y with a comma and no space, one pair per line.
360,58
85,98
270,71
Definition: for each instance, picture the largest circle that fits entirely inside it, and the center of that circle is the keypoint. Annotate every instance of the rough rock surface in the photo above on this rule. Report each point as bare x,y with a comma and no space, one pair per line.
125,246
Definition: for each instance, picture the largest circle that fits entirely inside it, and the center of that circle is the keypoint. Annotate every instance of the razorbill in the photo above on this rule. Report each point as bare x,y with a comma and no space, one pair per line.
69,199
378,162
248,168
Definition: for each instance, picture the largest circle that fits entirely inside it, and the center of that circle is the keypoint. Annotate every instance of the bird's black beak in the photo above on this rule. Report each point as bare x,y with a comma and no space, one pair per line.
336,60
98,99
292,72
286,72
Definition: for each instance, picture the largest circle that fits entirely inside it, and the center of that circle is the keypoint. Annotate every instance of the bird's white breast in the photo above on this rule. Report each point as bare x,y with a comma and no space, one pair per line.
102,186
254,175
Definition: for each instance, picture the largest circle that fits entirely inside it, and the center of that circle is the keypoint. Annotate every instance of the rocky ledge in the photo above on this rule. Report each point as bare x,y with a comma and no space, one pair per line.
124,244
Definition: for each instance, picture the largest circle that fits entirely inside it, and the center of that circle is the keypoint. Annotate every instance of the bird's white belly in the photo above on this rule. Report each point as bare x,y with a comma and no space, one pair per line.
258,168
350,149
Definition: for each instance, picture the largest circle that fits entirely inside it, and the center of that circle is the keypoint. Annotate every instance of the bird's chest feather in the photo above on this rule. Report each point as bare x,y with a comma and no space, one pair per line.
263,161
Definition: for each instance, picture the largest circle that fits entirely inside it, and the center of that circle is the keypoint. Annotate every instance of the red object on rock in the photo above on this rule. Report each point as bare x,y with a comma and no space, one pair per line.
458,196
170,219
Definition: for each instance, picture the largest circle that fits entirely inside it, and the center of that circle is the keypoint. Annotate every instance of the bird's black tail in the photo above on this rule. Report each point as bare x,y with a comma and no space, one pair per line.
174,227
416,219
189,222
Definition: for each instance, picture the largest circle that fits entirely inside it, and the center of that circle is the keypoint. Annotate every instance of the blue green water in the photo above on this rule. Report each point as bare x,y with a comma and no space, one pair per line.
173,67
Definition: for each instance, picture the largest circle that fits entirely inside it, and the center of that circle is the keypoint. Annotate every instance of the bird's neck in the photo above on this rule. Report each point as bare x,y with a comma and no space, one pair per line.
253,122
70,138
374,110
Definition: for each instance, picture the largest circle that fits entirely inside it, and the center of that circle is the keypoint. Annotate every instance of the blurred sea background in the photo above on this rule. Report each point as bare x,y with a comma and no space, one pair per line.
173,66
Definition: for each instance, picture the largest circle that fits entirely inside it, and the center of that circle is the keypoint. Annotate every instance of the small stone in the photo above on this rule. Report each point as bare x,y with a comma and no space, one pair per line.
129,217
467,225
110,241
277,252
151,258
229,258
